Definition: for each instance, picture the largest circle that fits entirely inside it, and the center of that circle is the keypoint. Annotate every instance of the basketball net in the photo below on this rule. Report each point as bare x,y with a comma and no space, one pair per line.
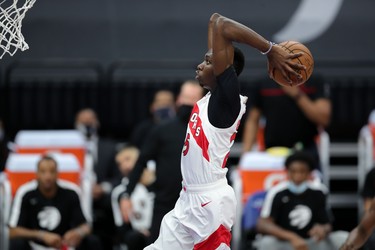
11,16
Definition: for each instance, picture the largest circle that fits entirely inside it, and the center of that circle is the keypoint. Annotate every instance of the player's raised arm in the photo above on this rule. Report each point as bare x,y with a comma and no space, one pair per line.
223,31
359,235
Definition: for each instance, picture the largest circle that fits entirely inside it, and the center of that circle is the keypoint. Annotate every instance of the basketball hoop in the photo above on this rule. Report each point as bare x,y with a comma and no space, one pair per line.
11,16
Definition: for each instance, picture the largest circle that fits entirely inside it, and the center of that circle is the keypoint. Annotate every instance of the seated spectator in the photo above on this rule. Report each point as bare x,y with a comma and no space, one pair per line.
368,194
295,214
47,214
133,230
161,108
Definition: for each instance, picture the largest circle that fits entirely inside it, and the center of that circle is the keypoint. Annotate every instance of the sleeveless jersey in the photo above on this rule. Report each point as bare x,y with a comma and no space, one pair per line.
206,148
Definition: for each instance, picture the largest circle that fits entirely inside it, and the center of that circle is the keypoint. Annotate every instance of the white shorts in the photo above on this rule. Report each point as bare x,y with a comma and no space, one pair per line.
201,219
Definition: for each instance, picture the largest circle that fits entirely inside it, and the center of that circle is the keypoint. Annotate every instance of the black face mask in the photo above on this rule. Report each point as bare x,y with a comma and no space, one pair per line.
163,114
184,112
87,130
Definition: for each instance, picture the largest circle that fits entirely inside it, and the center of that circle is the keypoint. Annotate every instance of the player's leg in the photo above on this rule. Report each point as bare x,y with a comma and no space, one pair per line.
173,235
216,211
218,240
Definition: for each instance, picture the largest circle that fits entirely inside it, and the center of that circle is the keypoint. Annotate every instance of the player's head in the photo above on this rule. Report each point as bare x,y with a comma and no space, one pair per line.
205,70
299,166
238,60
47,173
126,159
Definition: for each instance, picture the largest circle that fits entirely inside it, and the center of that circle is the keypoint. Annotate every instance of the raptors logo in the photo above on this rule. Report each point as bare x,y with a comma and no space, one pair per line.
49,218
300,216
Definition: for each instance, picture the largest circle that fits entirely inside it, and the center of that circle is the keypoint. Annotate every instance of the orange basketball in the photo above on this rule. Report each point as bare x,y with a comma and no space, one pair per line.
306,59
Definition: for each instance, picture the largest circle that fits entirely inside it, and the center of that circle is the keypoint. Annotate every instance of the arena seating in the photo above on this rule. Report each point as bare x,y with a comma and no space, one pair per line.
44,95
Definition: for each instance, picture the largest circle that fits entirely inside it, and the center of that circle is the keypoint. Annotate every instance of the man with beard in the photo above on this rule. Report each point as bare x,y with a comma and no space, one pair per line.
47,213
163,145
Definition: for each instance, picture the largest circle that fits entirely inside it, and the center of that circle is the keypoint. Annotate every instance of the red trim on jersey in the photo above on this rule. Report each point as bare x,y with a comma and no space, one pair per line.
221,235
225,160
232,138
196,129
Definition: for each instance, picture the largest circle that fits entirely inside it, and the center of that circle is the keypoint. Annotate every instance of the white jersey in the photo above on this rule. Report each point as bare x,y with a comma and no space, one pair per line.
206,148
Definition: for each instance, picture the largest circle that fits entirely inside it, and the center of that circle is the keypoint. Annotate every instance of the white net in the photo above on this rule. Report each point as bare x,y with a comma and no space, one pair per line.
11,16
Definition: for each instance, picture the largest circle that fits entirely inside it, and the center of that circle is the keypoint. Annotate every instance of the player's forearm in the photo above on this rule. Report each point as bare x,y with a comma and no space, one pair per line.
367,204
359,235
211,24
356,239
237,32
21,232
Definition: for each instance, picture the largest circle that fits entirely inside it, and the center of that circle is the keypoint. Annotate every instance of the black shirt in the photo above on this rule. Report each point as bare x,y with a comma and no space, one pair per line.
59,214
286,124
225,105
296,213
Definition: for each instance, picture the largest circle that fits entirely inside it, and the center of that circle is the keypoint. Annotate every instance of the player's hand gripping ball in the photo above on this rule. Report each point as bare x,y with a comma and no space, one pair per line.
305,59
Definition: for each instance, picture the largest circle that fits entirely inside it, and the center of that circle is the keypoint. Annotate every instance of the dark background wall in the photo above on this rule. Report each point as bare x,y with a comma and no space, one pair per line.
94,53
168,29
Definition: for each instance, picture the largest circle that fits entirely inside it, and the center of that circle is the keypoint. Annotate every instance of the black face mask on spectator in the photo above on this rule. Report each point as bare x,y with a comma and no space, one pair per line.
163,113
87,130
184,112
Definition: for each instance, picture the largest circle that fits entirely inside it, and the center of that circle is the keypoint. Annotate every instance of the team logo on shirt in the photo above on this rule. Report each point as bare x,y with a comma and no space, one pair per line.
300,216
196,129
49,218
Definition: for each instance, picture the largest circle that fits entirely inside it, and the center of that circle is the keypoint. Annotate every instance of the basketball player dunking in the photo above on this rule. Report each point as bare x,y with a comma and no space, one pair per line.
204,214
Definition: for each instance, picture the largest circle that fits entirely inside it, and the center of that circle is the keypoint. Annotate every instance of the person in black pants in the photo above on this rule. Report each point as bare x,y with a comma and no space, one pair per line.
163,145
